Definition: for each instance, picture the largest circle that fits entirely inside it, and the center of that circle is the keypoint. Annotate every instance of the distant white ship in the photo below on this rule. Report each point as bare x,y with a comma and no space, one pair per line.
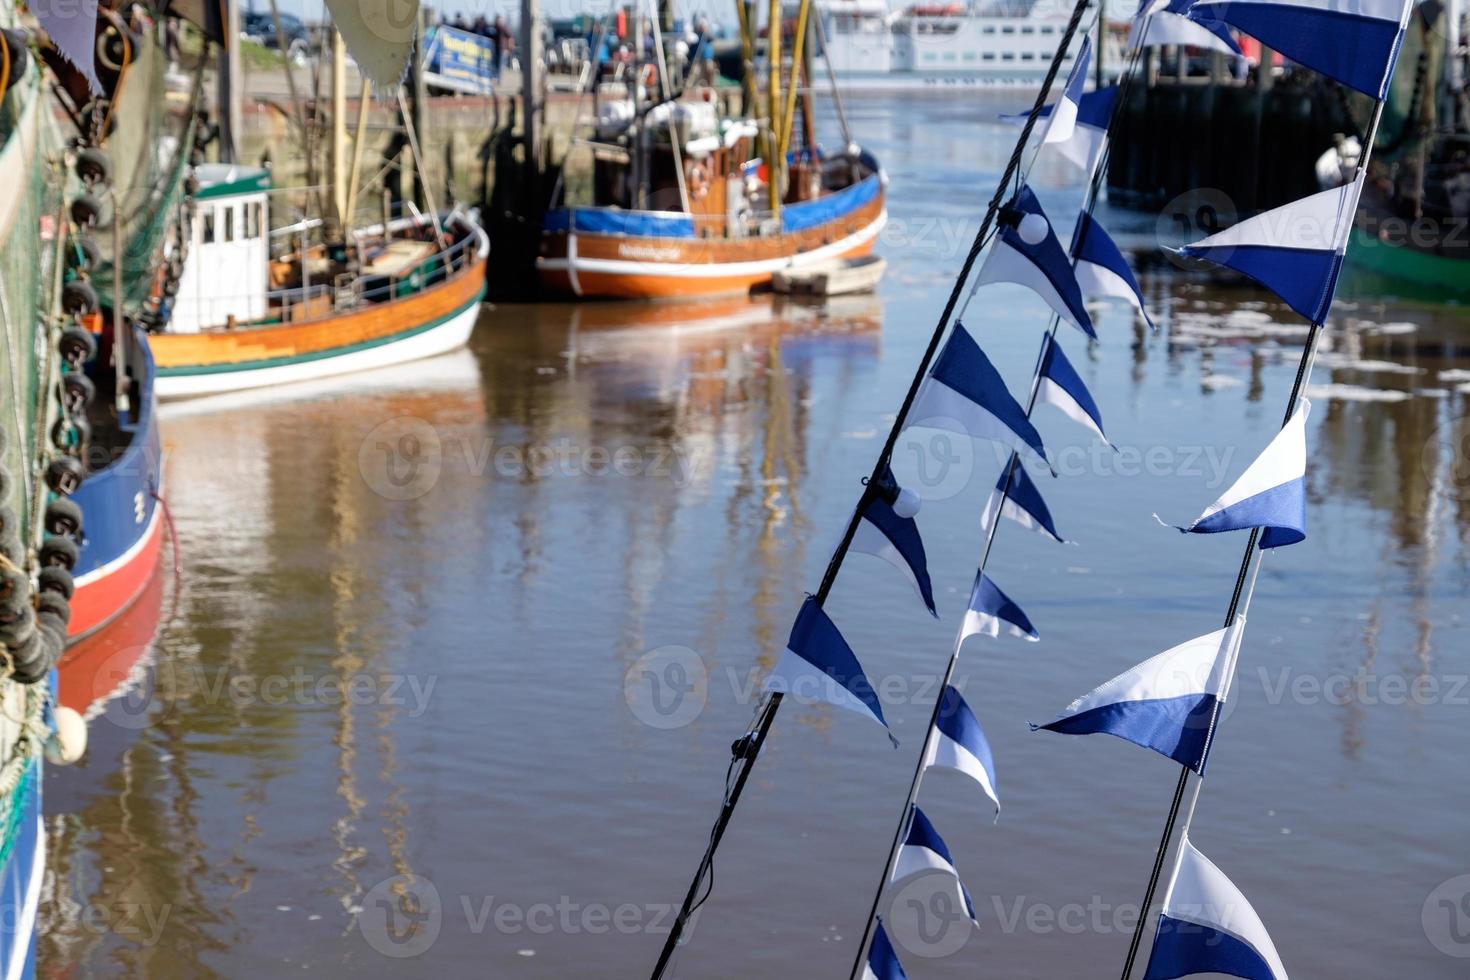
945,46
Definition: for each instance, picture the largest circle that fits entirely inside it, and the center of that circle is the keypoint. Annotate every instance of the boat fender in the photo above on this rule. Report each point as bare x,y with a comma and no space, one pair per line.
57,550
53,604
77,391
83,254
10,545
65,474
68,740
64,517
19,628
93,167
71,435
77,346
28,661
86,211
78,297
56,579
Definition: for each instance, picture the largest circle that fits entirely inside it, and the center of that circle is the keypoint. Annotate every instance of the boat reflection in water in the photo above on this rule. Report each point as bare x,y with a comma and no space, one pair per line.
339,536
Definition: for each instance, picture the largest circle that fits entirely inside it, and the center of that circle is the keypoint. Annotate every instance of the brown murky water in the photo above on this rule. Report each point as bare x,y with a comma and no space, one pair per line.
407,666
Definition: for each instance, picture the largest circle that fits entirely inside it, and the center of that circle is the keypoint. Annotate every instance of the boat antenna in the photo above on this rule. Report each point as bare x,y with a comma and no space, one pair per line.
746,749
832,80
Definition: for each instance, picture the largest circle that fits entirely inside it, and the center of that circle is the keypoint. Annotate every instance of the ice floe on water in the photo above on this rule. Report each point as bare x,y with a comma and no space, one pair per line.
1380,329
1455,374
1215,382
1355,393
1340,359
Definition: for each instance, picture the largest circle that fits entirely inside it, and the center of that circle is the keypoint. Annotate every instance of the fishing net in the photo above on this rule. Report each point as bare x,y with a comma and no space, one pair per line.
149,155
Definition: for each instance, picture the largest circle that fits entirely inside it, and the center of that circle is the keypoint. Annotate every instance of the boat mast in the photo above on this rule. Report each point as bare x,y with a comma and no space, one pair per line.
775,158
1452,88
337,222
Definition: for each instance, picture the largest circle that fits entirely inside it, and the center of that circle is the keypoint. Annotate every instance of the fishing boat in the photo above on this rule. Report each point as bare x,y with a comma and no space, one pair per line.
686,199
245,317
1413,232
249,301
34,593
132,164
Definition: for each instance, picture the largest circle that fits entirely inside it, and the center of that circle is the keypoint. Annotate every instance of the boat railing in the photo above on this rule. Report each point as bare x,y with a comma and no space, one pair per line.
312,299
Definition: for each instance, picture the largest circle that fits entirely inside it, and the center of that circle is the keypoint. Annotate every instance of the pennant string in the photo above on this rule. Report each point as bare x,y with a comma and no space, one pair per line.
747,748
1245,580
1089,203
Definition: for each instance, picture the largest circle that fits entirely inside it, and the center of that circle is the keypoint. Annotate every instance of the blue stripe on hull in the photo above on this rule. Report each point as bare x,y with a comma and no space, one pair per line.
17,909
1176,727
118,501
1185,949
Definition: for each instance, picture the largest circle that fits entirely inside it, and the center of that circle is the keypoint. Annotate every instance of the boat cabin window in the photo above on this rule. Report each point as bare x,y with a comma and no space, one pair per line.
252,220
988,29
1008,56
229,234
989,56
1028,30
206,230
1008,30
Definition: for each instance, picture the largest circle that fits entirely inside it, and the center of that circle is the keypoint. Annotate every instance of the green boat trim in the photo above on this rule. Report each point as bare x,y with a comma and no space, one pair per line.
1375,266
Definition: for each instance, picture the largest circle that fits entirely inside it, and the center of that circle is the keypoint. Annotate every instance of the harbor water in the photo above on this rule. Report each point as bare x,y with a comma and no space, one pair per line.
448,681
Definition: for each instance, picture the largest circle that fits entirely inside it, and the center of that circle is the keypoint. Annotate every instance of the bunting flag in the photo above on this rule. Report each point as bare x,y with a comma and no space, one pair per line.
1027,252
1353,41
1089,129
1061,386
884,533
924,850
1207,926
1101,269
379,34
882,960
1167,703
1270,494
72,28
1061,121
818,664
959,743
964,393
1295,251
989,609
1164,22
1021,502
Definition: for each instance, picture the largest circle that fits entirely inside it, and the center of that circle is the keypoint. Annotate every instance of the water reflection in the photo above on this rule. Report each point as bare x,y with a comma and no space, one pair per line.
485,544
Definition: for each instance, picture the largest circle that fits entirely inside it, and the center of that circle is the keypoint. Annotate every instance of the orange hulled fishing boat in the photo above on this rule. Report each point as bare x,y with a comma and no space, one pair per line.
685,200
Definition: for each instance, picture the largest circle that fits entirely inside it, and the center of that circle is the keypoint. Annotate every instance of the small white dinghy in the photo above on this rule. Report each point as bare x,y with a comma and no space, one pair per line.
857,275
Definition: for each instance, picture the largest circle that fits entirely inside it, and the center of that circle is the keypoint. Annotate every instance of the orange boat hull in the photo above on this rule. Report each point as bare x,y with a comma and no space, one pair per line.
630,267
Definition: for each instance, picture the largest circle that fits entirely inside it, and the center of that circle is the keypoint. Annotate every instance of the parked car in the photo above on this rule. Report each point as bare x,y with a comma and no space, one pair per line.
258,26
